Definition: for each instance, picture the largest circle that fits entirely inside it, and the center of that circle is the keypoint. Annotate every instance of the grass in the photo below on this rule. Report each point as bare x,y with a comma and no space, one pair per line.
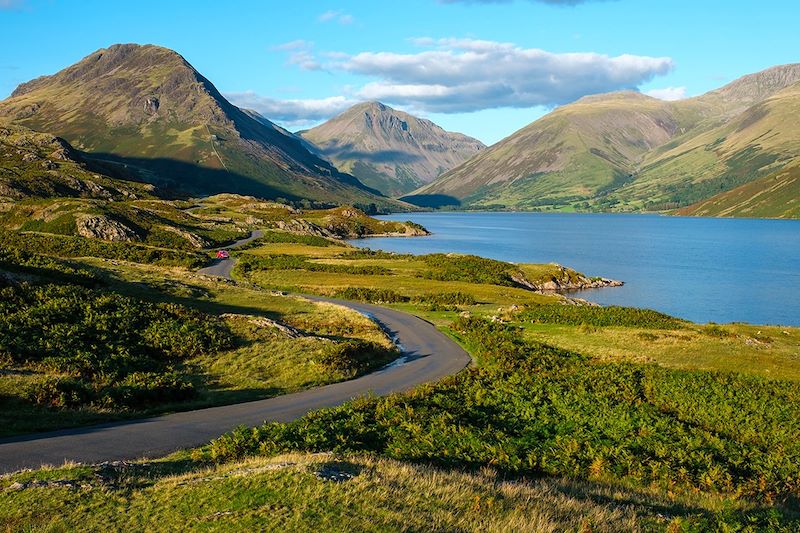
766,351
284,493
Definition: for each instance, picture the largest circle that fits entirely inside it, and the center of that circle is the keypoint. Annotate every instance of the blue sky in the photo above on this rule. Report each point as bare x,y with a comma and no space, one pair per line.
485,68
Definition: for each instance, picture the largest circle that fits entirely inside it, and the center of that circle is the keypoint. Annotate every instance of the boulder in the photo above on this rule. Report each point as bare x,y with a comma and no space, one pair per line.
104,228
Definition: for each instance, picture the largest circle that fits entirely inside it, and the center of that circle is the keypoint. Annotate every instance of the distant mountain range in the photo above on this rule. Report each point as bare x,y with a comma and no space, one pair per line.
145,111
132,114
390,150
734,151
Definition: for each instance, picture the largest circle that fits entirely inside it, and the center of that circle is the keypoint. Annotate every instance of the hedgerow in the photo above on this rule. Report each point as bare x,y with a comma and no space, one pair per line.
573,315
248,263
376,296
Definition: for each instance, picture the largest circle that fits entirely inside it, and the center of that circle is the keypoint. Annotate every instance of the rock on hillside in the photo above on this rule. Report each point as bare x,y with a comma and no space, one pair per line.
388,149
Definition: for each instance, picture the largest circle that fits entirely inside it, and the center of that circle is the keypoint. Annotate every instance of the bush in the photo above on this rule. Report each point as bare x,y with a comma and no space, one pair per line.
469,268
61,392
573,315
376,296
125,348
447,298
73,246
142,389
353,357
248,263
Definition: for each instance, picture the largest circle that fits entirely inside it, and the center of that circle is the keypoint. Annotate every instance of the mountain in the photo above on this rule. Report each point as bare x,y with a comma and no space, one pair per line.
146,110
390,150
626,151
578,151
755,141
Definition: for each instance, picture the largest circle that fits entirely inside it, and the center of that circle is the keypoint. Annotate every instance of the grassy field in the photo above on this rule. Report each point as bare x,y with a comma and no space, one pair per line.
289,493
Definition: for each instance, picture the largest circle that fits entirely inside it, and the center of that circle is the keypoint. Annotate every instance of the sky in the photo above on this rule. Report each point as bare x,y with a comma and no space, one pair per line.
481,67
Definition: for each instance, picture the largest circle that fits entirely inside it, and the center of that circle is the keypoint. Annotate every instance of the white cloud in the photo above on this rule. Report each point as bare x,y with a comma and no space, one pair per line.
458,75
462,75
292,113
668,93
338,16
11,4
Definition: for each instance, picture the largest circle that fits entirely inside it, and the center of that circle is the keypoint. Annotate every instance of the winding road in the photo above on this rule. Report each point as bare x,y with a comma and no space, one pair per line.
428,355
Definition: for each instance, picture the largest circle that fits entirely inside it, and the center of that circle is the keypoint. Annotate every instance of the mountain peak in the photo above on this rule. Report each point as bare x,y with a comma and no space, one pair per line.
388,149
145,108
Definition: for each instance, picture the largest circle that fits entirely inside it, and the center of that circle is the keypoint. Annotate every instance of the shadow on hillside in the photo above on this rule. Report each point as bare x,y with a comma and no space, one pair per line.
180,179
348,151
433,201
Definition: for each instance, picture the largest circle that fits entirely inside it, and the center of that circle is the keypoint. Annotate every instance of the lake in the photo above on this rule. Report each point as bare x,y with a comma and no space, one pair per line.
702,269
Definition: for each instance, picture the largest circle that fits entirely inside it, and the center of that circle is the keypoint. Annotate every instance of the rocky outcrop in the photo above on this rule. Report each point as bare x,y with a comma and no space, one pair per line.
564,280
104,228
263,322
195,240
298,225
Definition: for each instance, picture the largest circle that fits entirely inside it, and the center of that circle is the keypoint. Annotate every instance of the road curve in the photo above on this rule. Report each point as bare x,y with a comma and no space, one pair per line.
428,356
222,268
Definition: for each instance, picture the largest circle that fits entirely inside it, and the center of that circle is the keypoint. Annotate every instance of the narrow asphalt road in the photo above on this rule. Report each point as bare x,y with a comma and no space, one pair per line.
428,356
222,268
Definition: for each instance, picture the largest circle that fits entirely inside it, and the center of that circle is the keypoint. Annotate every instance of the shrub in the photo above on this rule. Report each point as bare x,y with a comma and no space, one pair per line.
447,298
141,389
74,246
248,263
469,268
377,296
352,357
121,346
61,392
573,315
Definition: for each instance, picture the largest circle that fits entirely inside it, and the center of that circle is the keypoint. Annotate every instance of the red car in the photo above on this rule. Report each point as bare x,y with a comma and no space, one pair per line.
223,254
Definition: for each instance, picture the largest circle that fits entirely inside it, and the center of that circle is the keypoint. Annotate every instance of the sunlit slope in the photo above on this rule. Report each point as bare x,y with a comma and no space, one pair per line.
576,152
759,142
628,152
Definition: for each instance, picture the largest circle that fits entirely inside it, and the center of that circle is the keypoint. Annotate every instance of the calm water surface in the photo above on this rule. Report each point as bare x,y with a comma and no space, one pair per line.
702,269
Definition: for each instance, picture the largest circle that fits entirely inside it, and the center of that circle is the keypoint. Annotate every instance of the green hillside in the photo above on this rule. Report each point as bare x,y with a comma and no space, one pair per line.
148,112
629,152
